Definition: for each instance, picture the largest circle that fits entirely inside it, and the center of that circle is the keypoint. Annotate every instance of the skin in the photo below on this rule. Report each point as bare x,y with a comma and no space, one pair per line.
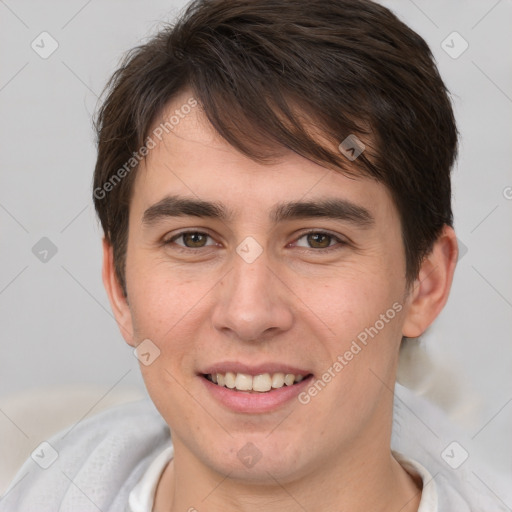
293,304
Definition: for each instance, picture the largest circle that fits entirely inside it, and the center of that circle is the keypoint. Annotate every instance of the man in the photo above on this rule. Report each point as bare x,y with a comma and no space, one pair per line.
273,181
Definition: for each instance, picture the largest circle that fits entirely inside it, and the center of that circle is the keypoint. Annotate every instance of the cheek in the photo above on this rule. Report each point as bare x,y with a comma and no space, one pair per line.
364,314
351,302
162,299
165,309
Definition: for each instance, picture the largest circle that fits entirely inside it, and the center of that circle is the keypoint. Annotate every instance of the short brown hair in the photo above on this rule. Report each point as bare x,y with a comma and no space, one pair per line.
350,66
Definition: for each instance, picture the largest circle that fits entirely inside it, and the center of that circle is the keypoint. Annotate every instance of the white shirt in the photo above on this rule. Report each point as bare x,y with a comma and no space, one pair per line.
142,497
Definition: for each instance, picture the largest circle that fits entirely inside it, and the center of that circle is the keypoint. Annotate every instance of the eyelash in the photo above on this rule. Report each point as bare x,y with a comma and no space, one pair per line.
341,243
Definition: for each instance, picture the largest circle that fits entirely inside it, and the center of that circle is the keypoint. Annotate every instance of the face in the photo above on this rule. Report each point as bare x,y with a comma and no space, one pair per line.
318,293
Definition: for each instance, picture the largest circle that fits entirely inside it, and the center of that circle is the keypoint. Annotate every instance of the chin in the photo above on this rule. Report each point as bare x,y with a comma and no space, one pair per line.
258,458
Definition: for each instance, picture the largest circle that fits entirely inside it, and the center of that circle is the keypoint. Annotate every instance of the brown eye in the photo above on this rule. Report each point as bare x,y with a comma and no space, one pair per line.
194,239
190,240
319,240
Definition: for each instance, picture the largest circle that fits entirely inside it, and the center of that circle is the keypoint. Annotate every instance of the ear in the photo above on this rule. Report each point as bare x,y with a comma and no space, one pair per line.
432,286
118,301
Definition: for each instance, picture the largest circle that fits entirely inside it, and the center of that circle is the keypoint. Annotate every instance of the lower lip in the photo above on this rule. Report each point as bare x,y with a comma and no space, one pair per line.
244,402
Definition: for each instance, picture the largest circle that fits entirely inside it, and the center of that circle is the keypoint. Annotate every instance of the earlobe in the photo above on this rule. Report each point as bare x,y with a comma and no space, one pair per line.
118,301
432,287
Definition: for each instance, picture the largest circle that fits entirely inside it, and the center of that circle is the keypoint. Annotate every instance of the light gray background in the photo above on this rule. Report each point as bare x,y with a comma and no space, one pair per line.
57,328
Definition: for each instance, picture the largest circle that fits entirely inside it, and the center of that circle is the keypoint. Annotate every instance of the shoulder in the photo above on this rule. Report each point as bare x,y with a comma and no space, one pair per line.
91,465
423,433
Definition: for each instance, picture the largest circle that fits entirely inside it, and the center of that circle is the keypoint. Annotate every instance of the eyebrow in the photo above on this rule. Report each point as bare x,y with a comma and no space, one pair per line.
332,208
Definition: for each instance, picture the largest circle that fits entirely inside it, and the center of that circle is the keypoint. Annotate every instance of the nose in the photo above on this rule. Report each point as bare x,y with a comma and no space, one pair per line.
252,302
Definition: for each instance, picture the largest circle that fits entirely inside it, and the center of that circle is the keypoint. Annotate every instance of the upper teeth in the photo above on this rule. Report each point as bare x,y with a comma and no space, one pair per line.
263,382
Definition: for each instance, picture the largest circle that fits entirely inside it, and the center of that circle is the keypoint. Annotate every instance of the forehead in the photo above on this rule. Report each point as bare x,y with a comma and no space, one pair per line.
191,159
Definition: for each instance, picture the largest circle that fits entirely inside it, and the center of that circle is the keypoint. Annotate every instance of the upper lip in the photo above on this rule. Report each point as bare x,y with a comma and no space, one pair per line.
237,367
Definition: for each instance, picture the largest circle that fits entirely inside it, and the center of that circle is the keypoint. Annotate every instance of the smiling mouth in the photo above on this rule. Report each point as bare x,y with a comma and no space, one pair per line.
262,383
